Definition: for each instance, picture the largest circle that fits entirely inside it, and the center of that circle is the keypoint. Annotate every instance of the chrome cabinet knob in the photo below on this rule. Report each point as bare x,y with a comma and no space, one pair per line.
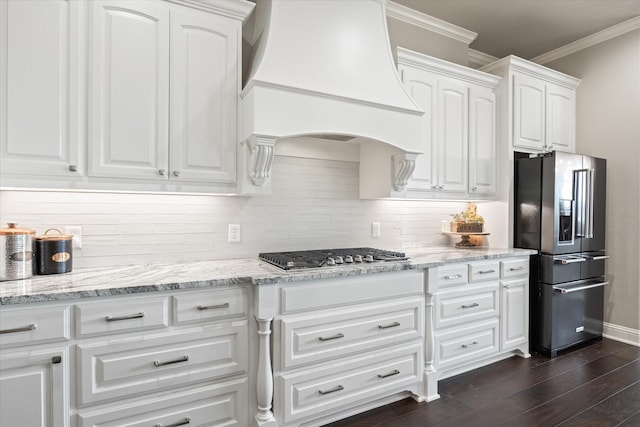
73,168
162,172
474,189
176,173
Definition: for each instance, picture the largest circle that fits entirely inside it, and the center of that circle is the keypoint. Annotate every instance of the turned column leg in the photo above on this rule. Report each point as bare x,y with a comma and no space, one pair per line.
264,383
430,373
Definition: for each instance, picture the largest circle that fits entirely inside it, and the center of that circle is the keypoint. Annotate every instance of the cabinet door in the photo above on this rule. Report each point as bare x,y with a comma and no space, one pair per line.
33,388
514,318
38,87
483,167
129,91
422,86
560,118
204,92
528,112
453,136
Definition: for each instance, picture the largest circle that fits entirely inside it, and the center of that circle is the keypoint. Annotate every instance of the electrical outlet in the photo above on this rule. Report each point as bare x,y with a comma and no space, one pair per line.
375,229
76,232
234,233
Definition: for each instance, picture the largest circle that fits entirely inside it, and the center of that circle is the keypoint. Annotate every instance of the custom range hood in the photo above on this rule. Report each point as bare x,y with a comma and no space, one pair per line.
324,69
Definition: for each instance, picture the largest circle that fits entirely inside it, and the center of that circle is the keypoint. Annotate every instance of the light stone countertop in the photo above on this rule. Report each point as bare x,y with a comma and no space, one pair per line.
95,282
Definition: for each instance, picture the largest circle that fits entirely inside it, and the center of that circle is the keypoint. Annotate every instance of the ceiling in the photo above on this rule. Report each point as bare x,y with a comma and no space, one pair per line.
527,28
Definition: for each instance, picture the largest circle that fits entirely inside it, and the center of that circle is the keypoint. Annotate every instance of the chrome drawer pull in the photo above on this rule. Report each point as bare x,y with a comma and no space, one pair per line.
186,421
475,304
455,276
184,358
213,307
470,345
333,337
516,268
390,374
131,316
486,271
31,327
391,325
333,390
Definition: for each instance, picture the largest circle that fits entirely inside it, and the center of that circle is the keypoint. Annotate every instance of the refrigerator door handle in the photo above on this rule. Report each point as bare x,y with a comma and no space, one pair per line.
581,205
568,260
578,288
589,206
597,257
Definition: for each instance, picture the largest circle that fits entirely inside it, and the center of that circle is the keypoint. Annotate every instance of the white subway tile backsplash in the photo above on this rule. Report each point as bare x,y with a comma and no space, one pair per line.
314,204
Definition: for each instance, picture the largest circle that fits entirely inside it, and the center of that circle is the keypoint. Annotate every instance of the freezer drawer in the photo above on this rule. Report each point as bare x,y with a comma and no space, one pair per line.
567,314
555,269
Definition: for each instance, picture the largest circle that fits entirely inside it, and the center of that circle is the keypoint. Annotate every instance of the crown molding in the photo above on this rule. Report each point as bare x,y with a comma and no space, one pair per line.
428,22
436,65
479,59
592,40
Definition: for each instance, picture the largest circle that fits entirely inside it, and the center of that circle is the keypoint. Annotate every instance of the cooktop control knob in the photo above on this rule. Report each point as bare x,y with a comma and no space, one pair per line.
357,258
331,261
339,260
348,259
368,258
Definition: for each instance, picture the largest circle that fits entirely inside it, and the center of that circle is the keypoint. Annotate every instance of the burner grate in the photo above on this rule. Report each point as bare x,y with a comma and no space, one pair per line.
293,260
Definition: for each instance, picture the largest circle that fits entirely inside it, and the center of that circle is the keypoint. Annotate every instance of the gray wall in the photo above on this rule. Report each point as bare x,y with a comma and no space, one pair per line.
608,125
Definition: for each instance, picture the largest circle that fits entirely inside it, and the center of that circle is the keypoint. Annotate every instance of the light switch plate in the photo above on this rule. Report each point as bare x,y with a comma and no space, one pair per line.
375,229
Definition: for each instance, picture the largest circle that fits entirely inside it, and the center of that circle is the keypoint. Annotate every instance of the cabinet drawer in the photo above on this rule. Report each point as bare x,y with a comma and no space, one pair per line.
518,267
117,368
328,389
341,332
337,292
210,305
214,405
34,325
117,316
465,345
482,271
452,275
468,305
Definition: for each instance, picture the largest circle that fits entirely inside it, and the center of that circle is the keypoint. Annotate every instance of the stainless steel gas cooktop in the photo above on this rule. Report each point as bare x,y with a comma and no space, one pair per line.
329,257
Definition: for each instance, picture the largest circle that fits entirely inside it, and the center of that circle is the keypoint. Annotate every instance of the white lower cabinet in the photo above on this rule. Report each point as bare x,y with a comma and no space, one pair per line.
326,389
480,314
221,404
34,388
350,342
126,360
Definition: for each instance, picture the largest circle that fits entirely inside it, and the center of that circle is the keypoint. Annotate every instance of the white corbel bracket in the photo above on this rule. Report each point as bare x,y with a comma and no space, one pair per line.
403,166
260,158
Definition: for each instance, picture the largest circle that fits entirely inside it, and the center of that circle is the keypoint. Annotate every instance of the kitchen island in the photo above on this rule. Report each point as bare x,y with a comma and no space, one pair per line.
317,337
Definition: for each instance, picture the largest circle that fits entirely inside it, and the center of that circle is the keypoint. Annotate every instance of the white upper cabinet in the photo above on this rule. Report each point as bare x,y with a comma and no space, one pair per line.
120,95
459,128
204,88
164,93
453,135
423,89
483,160
39,85
130,90
539,112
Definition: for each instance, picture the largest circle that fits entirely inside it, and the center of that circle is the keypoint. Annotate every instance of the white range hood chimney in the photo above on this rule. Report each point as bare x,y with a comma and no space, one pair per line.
323,68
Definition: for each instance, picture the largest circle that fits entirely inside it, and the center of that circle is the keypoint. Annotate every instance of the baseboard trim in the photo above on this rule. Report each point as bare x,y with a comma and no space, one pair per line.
622,334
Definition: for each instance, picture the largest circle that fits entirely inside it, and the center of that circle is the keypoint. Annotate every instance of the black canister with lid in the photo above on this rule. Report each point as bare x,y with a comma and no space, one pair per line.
53,253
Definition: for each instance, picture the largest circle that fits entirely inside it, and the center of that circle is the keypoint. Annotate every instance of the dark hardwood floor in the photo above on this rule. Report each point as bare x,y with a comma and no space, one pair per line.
595,385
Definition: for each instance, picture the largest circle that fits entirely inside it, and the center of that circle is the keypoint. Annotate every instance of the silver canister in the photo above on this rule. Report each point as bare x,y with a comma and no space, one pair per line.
16,252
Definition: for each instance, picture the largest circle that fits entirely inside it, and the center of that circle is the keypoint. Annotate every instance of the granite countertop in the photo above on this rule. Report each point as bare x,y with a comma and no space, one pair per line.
94,282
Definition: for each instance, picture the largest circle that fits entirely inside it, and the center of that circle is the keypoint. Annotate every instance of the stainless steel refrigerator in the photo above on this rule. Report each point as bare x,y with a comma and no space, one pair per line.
560,207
